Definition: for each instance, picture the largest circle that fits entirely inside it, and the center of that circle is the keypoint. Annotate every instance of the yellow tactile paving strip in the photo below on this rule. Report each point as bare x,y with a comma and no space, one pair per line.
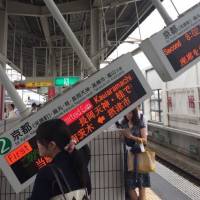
151,195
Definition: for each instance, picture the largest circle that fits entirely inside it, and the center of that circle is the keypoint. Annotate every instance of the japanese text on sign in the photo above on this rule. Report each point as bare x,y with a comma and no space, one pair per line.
88,108
176,48
104,106
185,49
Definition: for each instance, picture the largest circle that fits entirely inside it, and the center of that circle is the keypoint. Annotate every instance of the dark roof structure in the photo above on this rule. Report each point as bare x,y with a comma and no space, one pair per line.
31,29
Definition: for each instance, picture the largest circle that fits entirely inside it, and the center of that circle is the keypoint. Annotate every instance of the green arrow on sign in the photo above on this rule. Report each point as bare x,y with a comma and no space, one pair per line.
5,145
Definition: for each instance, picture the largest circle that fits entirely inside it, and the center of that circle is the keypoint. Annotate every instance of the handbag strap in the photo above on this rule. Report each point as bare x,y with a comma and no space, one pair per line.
58,181
135,167
64,178
56,169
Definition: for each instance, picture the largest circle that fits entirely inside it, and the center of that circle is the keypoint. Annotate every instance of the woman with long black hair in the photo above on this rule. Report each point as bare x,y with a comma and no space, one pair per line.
135,137
52,138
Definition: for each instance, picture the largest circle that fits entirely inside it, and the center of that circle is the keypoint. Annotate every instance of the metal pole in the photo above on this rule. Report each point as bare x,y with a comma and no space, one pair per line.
46,63
13,92
94,30
73,64
68,66
34,64
13,57
61,59
168,20
21,59
101,36
69,35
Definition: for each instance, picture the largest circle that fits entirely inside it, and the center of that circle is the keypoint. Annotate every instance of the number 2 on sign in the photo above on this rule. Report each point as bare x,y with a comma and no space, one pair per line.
5,145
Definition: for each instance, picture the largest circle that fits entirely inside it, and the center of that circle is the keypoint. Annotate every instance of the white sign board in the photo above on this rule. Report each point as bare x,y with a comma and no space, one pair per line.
177,47
88,108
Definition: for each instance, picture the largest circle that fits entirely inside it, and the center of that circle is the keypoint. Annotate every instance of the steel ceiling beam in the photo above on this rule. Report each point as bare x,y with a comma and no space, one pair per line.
144,11
2,4
45,27
96,3
24,9
10,63
71,38
118,17
61,36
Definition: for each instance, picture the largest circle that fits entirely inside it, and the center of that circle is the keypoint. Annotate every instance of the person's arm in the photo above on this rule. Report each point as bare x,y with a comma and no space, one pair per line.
41,188
127,134
144,134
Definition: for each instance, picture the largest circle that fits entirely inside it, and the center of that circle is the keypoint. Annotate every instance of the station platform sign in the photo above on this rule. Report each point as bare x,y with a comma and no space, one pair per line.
36,84
176,48
66,81
33,84
88,108
58,82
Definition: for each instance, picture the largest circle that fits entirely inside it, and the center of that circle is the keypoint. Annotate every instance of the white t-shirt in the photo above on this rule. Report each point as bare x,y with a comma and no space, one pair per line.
12,114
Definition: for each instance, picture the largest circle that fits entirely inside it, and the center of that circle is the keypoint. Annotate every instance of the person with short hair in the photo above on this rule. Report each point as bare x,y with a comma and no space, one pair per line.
34,107
12,112
52,138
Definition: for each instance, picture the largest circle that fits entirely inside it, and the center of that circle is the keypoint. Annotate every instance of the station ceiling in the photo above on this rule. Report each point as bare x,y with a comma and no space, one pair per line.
31,28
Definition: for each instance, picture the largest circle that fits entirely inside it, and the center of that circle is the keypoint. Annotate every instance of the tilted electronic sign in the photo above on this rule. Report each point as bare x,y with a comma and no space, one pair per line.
88,108
177,47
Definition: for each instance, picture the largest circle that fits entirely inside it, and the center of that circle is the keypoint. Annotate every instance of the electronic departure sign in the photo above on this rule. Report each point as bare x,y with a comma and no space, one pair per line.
88,108
177,47
92,114
25,160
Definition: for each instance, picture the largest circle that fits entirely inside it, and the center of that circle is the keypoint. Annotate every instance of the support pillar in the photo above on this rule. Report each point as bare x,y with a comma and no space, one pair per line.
34,64
46,61
53,72
53,63
21,59
3,50
61,62
70,35
102,44
94,28
157,3
3,77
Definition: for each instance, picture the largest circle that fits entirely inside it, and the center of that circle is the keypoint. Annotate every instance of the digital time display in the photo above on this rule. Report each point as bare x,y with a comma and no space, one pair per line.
184,50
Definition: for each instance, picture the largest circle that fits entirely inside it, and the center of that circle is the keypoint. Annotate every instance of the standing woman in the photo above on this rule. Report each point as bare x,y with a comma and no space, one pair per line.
135,136
52,138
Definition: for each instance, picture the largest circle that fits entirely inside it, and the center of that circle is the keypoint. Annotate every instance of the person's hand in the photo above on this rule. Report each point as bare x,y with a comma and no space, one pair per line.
122,137
130,126
139,140
71,146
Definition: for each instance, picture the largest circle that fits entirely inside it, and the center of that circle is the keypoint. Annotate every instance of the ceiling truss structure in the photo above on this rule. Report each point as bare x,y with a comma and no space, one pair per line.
34,34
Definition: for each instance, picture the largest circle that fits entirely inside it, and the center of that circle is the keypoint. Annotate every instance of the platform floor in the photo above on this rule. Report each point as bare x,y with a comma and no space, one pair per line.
167,185
151,195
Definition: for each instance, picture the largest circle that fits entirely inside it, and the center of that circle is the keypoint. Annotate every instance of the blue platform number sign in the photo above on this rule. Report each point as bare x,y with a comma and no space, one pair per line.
5,145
